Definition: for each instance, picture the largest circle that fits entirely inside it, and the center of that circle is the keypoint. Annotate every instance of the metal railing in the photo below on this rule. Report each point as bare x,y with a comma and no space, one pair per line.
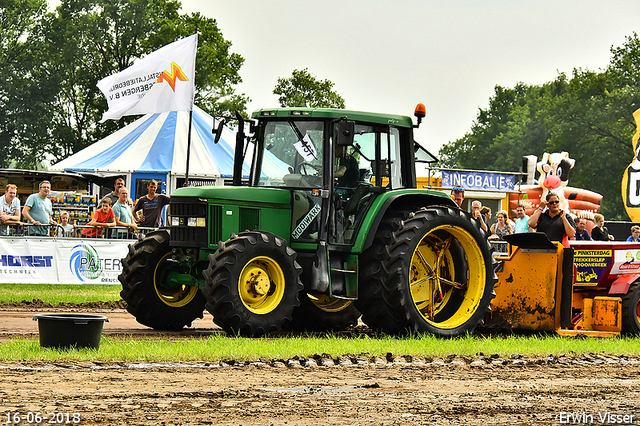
500,248
79,231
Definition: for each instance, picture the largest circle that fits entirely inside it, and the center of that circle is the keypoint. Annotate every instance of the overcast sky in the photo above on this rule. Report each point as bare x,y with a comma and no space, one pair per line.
386,56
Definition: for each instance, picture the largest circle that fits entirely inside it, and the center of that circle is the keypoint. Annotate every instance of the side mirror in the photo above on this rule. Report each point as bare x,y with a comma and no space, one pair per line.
218,131
346,132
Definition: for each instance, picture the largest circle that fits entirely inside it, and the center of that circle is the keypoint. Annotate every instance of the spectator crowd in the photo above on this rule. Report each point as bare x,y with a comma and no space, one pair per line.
116,211
547,217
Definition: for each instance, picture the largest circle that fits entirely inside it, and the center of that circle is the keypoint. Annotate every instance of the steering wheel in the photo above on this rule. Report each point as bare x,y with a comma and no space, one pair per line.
303,169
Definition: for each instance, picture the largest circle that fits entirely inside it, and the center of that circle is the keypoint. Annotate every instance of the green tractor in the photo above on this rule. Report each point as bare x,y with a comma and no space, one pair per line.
328,228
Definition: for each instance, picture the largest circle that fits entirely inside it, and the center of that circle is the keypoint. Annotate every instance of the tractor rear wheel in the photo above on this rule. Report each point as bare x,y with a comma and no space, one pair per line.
631,309
152,296
319,312
253,284
434,274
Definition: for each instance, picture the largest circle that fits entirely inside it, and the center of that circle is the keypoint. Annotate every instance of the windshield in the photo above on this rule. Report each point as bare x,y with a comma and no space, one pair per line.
292,154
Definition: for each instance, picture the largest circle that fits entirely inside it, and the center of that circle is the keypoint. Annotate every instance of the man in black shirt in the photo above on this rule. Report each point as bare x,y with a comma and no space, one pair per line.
150,206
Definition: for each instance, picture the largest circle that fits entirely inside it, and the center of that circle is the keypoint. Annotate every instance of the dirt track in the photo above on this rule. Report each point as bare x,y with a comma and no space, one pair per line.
321,391
433,394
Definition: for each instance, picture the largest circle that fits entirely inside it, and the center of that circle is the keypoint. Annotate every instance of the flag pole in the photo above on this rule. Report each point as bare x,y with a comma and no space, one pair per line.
186,174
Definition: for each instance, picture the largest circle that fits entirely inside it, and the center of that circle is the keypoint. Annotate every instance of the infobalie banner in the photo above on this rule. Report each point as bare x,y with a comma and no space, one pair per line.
61,261
481,181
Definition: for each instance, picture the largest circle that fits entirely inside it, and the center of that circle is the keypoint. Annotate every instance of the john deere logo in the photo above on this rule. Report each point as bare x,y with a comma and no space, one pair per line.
85,263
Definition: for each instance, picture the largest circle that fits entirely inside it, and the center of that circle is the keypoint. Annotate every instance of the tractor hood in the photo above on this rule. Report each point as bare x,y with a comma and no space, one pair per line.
236,194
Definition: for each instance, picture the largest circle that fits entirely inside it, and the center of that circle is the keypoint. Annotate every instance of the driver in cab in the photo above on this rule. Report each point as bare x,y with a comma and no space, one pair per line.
347,171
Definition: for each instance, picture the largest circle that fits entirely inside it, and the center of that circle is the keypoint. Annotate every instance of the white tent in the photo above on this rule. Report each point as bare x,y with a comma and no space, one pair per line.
155,147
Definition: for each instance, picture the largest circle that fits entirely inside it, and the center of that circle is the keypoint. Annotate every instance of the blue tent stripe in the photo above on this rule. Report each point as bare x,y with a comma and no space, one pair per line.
111,154
160,157
221,152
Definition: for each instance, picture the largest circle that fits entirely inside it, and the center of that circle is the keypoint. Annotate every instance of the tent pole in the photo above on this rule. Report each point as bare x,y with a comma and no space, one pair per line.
186,176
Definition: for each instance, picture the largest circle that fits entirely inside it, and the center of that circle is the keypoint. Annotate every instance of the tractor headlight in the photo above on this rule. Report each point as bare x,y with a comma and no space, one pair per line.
197,221
175,221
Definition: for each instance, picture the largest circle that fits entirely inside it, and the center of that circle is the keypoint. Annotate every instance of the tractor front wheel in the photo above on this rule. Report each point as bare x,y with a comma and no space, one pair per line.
150,287
253,284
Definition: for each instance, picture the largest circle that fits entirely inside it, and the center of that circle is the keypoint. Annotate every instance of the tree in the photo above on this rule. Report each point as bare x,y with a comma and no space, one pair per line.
593,121
588,115
24,95
86,40
509,129
303,90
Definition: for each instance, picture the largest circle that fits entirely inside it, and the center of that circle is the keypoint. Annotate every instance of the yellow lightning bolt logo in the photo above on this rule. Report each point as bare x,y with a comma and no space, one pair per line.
176,74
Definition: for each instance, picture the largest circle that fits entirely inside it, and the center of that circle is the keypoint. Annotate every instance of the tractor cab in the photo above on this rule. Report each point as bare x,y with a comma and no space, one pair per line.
334,162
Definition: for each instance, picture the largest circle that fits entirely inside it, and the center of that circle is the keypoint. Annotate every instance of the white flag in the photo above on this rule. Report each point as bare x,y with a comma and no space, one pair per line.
161,81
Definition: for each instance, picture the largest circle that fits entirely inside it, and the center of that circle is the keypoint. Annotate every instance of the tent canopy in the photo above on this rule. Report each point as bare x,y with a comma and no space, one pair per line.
158,143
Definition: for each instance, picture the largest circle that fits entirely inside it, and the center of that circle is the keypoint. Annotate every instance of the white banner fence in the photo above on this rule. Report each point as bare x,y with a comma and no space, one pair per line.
47,260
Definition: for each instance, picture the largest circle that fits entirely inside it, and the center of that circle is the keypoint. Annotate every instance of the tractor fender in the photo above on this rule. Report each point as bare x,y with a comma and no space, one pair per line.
622,283
412,199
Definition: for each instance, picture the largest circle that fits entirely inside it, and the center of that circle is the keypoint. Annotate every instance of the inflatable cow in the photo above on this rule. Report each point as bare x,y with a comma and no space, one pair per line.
554,175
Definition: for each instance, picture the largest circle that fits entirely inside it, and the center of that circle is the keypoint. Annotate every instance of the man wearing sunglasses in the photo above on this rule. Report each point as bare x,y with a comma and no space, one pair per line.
457,193
554,222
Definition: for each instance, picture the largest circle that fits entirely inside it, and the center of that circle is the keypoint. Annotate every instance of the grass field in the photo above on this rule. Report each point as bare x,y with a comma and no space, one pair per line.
222,347
58,293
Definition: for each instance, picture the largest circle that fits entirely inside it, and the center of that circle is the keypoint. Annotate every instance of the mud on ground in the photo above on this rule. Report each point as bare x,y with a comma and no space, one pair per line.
319,390
440,393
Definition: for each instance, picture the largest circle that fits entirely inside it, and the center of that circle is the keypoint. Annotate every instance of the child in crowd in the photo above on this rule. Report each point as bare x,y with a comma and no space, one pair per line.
64,228
102,218
635,234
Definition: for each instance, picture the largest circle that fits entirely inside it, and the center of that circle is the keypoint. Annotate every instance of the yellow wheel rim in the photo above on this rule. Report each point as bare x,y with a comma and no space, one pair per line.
433,281
261,285
176,295
329,304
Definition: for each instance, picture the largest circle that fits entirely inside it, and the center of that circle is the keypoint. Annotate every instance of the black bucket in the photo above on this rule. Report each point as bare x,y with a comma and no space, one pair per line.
65,331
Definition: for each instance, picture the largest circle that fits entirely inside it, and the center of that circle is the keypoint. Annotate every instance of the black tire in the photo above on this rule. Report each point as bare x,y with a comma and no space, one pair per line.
323,313
370,289
147,290
253,284
631,309
397,294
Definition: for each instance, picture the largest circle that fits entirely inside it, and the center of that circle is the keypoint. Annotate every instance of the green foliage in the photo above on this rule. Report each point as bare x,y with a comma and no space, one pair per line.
588,115
24,94
502,134
303,90
55,107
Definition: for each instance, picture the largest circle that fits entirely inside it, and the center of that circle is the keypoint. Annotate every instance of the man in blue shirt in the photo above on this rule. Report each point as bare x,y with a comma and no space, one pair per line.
581,230
123,213
38,210
522,222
